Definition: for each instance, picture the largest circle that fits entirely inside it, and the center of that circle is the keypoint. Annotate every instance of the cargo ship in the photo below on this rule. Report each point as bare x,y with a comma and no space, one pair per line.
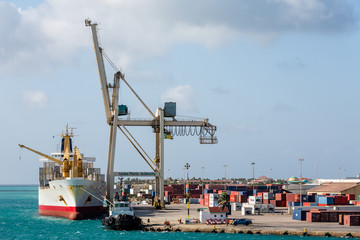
69,185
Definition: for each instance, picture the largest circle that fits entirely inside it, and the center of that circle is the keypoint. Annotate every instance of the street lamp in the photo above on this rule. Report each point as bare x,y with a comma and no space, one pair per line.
301,160
316,168
253,174
187,166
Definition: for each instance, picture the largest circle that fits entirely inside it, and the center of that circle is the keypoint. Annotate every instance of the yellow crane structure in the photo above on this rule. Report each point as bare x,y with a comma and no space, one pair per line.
69,167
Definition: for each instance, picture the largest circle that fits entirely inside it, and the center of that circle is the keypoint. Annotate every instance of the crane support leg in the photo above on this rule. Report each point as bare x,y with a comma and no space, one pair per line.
161,133
157,162
113,131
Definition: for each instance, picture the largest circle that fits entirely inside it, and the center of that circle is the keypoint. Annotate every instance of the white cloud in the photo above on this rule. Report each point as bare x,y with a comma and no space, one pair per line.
35,99
53,32
183,95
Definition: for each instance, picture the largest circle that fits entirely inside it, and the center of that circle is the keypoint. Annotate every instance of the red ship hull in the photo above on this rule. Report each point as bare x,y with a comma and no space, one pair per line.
73,213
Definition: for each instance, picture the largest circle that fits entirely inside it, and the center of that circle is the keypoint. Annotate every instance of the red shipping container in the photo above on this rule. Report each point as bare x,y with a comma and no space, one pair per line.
306,204
280,196
234,198
296,198
333,217
290,197
324,216
352,220
266,201
242,198
350,196
313,216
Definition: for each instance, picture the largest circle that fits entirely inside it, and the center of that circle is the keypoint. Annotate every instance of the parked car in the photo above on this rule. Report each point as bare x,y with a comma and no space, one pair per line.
243,221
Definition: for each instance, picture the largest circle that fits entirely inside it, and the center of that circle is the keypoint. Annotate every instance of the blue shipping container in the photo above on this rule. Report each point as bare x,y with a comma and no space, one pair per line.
294,204
299,215
325,200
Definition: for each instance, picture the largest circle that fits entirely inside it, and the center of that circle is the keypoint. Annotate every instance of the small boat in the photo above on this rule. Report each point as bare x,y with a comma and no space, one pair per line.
122,217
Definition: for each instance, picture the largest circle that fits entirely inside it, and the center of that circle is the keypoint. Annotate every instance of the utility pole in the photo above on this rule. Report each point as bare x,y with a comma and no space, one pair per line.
301,161
253,175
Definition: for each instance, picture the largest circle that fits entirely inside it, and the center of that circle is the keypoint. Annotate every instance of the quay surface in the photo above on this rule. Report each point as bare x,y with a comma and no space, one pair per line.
267,223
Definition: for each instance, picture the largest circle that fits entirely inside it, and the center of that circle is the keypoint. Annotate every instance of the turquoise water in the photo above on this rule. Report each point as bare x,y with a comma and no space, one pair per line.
19,219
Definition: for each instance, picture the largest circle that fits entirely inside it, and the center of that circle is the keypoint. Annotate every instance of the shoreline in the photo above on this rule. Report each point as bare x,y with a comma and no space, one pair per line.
279,223
203,228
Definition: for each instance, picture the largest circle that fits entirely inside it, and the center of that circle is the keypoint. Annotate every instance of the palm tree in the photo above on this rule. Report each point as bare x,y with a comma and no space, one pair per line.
223,200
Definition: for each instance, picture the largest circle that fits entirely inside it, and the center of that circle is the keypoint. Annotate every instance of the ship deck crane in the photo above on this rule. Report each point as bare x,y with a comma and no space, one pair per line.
158,123
75,165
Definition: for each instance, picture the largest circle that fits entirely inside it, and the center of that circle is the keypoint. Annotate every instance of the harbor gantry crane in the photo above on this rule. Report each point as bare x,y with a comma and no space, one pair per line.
163,123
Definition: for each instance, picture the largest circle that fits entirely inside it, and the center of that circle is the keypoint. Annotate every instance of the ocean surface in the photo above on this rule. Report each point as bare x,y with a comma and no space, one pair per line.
19,219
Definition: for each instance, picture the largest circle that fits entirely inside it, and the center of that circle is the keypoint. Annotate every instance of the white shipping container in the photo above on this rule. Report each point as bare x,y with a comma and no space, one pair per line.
213,196
253,208
254,200
235,206
268,196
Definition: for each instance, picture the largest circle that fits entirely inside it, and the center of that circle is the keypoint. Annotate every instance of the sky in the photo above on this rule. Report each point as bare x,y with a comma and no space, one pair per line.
279,79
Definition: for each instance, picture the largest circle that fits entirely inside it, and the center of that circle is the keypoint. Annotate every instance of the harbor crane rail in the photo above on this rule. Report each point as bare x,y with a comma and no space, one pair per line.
158,122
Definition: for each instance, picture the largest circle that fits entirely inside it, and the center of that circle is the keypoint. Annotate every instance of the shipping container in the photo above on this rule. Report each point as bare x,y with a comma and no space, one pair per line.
268,195
300,215
326,200
352,220
280,196
313,216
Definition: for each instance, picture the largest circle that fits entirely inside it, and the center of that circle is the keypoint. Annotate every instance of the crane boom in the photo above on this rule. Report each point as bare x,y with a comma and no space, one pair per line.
101,68
44,155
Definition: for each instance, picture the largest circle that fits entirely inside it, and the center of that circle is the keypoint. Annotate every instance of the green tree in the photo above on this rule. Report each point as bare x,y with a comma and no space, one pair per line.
223,200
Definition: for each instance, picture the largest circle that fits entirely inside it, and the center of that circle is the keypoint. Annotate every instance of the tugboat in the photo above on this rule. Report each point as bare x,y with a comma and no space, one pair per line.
121,216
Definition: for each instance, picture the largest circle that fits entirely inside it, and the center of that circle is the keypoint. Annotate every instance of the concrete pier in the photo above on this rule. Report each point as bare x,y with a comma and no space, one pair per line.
278,223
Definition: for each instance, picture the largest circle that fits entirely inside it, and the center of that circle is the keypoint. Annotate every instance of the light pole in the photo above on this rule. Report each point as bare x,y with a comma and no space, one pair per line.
202,181
316,168
301,160
253,174
202,174
225,171
187,166
169,175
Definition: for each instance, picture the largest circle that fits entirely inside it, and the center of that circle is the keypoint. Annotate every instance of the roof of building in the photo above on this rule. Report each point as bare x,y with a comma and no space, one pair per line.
218,210
264,177
333,187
